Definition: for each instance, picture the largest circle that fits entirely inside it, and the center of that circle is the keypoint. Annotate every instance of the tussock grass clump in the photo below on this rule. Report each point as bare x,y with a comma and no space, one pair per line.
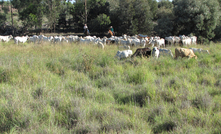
167,126
191,63
38,93
140,76
138,98
218,83
4,75
92,127
11,116
111,120
56,67
85,90
168,96
104,97
203,101
157,111
217,58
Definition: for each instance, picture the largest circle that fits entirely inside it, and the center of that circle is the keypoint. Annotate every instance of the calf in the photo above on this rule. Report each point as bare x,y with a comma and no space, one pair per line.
183,52
155,52
142,52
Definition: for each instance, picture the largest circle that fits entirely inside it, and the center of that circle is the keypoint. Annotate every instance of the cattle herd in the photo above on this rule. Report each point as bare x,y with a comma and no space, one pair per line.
123,42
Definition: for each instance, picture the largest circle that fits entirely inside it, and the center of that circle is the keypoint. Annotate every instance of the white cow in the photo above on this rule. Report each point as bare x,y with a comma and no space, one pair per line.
165,52
19,39
123,54
59,39
193,39
6,38
158,42
177,39
200,50
48,39
170,40
33,39
143,42
187,41
155,52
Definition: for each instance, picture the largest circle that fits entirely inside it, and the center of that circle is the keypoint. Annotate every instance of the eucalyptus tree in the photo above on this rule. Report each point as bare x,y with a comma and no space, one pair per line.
153,7
30,12
4,12
199,17
218,27
98,18
78,14
99,15
134,16
165,22
52,11
165,19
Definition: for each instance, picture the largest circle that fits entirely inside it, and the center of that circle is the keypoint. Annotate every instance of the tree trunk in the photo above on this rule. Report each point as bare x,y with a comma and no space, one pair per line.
12,19
54,27
85,11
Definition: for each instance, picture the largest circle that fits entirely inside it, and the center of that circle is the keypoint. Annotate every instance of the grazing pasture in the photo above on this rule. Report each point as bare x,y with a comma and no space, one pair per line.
80,88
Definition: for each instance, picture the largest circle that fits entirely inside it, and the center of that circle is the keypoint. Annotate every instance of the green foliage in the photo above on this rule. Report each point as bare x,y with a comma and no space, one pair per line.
101,23
97,15
196,16
134,17
165,24
52,10
165,4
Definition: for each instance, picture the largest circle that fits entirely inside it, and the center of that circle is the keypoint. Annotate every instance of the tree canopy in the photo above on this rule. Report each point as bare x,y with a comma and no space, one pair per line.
199,17
151,17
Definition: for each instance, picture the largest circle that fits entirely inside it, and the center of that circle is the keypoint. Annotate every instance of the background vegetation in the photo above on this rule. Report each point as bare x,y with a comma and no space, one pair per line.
68,88
163,18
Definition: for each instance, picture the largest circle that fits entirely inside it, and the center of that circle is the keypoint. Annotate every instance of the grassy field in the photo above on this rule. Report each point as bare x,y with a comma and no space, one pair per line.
73,88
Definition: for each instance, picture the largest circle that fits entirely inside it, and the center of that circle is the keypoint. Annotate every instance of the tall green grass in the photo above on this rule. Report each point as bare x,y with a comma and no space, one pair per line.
79,88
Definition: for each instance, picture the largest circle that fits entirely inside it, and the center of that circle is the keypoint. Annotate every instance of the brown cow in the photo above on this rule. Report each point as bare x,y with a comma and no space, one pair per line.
184,52
142,52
